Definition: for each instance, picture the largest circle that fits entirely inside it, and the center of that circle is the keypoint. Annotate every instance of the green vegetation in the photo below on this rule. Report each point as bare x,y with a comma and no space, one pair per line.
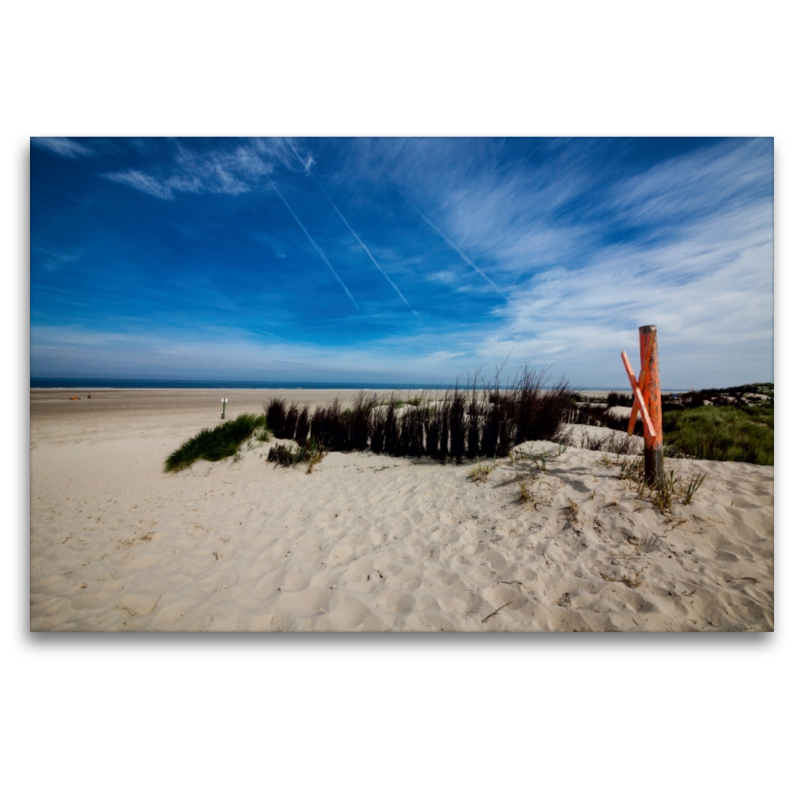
214,445
395,403
455,424
480,472
747,395
662,493
722,433
731,424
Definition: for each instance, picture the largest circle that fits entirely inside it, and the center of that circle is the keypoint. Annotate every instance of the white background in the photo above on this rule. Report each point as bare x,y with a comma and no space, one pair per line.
396,716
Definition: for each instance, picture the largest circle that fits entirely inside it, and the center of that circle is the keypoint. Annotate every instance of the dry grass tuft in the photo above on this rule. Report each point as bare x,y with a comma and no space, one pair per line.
525,494
480,472
662,493
570,512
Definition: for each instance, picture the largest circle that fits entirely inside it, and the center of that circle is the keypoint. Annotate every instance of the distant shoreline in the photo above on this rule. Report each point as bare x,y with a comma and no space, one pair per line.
86,384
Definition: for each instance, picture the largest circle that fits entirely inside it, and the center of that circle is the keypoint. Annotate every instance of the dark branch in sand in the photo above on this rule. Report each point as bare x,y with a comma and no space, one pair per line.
496,610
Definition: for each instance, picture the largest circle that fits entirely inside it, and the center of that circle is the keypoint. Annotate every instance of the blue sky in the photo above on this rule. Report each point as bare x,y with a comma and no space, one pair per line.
400,260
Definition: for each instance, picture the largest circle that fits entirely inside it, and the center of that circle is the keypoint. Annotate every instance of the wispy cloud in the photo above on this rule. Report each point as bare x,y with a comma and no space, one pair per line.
53,261
582,241
307,166
219,171
314,244
308,163
709,292
455,247
66,148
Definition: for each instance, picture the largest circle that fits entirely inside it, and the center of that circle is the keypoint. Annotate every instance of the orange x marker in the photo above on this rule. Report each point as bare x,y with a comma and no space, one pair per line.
638,404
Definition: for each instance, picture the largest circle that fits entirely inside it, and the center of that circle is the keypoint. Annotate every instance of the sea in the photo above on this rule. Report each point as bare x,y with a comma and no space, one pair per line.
160,383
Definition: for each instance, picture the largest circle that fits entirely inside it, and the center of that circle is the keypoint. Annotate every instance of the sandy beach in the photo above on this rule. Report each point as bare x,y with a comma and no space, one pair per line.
367,542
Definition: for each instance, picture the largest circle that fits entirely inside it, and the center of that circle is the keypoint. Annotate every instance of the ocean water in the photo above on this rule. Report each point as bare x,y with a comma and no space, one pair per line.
160,383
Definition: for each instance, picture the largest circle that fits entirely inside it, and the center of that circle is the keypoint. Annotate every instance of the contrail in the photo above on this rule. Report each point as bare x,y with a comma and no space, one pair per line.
307,168
316,246
467,260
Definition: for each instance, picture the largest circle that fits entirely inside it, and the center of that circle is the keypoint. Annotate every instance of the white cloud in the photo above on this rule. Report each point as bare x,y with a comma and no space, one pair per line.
217,171
61,146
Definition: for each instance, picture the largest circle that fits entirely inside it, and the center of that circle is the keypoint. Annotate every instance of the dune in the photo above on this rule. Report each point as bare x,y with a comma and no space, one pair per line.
372,543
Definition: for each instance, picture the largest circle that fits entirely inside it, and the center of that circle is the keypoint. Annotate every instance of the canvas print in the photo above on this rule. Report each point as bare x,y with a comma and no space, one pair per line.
422,384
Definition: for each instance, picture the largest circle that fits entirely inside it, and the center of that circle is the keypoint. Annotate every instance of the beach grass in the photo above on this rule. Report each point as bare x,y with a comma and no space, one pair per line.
450,425
480,472
215,444
723,433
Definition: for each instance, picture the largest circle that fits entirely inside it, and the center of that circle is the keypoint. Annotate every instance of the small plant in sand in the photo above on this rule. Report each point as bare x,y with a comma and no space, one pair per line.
663,492
309,453
480,472
525,493
695,482
541,459
632,470
570,512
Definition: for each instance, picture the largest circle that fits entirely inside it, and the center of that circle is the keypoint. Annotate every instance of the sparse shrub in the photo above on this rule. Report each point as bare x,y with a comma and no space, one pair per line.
331,427
458,430
290,421
412,432
475,418
491,430
469,423
432,430
391,443
282,455
302,428
360,421
275,413
310,453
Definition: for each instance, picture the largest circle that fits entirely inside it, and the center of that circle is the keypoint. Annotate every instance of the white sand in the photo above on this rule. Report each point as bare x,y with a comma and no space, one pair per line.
370,543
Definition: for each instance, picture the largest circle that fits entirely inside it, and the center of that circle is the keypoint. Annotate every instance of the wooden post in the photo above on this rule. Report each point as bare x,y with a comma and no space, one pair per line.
651,392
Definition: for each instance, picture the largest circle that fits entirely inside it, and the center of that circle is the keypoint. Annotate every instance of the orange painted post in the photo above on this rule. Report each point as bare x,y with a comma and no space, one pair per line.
642,378
651,393
638,401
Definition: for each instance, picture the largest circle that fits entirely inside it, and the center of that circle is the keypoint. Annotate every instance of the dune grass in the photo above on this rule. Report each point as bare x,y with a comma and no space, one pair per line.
480,472
215,444
662,493
454,424
723,433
